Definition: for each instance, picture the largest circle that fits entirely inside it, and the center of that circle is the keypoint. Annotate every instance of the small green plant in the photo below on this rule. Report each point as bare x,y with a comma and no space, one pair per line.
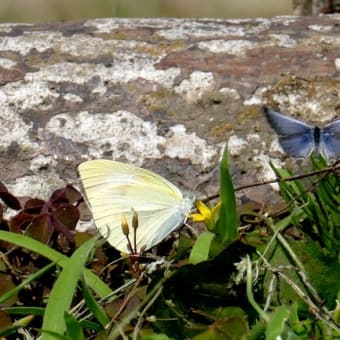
250,274
315,204
221,220
33,246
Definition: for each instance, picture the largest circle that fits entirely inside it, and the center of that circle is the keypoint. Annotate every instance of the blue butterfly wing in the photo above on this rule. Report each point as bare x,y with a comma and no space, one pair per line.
330,140
296,138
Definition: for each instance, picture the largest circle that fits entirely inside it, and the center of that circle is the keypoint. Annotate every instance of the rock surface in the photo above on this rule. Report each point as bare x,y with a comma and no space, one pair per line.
165,94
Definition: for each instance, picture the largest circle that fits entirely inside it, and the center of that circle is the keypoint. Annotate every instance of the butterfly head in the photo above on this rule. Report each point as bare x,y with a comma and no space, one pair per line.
188,203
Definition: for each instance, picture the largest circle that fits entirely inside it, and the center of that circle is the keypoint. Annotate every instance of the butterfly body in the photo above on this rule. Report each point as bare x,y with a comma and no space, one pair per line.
299,139
114,189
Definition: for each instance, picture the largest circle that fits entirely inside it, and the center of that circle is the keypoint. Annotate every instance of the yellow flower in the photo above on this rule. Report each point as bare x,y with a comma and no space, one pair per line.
205,214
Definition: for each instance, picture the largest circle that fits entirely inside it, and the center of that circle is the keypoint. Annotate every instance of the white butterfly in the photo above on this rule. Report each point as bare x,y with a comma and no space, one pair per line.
114,189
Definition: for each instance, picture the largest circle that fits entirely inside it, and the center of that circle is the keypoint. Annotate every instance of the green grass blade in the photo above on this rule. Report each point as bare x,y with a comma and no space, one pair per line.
228,220
201,248
4,297
39,311
96,309
73,328
90,325
26,242
62,293
277,323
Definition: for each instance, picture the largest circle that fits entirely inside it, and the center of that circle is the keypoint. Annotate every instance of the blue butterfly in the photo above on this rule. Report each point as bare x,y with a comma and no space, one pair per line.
299,139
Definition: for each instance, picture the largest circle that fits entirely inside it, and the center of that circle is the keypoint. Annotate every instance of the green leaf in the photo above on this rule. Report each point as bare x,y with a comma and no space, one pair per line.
64,289
276,323
155,337
40,228
200,250
26,242
96,309
9,294
228,220
319,199
39,311
73,328
230,323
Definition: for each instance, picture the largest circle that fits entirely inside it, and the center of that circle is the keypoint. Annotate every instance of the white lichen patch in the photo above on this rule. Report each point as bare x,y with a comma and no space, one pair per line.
227,46
231,93
337,64
80,45
266,173
72,98
70,72
125,135
253,137
107,25
141,62
257,98
182,28
23,44
7,63
38,186
44,181
275,146
14,129
282,40
121,133
183,145
100,89
24,95
219,28
93,47
329,40
313,107
122,71
196,87
321,28
8,27
285,20
42,163
236,145
199,30
240,47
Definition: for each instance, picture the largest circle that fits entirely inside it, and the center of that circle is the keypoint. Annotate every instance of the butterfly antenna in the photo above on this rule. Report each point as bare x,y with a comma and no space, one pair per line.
126,231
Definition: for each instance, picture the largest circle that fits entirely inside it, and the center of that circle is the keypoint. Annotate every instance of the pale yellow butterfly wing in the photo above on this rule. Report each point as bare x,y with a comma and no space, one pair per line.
114,189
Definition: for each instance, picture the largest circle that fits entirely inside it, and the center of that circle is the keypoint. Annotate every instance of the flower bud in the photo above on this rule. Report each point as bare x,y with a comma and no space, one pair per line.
125,225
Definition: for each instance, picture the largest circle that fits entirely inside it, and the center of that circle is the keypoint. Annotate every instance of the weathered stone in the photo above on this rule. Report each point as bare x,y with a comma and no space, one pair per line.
165,94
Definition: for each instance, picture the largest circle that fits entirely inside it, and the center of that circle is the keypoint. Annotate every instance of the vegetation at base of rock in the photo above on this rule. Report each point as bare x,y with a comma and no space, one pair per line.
254,273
